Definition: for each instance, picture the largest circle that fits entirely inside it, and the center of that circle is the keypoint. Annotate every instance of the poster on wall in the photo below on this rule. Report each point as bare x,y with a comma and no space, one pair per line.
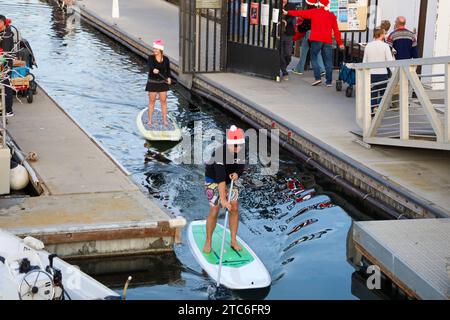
244,10
275,15
254,13
265,8
351,14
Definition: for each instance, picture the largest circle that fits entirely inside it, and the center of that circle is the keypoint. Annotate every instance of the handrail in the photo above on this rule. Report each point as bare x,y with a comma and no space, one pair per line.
402,63
374,113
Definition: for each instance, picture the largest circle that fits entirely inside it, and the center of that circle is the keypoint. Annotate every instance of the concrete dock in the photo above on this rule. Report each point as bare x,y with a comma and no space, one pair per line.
414,254
90,207
414,182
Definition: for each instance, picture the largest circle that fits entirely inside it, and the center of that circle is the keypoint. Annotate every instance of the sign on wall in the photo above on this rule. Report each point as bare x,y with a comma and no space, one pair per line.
208,4
351,14
254,13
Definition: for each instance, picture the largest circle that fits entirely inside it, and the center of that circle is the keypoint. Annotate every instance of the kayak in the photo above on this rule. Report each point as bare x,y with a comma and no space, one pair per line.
28,272
157,131
240,270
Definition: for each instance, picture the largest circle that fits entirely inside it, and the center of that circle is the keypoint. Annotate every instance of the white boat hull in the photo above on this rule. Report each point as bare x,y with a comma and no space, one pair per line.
78,285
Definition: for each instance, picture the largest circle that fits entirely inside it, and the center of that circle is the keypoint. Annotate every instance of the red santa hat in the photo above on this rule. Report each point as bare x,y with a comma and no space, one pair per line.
235,135
325,4
158,44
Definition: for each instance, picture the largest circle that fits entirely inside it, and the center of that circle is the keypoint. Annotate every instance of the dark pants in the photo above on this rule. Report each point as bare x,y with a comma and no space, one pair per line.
378,90
8,95
286,49
327,56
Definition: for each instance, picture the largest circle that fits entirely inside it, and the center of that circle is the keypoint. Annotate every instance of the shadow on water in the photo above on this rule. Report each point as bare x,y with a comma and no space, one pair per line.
300,233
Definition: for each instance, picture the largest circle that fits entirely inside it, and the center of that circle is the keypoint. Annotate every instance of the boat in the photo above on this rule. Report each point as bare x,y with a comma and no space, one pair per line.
28,272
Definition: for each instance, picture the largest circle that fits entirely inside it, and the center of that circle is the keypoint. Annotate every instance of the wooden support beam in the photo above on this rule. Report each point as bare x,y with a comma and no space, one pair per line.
366,101
162,230
404,104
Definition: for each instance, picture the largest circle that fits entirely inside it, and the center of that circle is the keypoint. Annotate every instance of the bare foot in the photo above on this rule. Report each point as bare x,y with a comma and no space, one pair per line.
149,124
207,247
236,246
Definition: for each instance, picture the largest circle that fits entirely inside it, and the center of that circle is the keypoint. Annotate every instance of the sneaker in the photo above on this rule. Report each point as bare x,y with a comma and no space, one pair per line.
316,83
296,72
329,85
10,114
285,78
323,74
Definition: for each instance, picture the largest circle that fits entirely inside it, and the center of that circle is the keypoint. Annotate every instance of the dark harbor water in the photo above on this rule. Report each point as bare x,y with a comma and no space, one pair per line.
101,84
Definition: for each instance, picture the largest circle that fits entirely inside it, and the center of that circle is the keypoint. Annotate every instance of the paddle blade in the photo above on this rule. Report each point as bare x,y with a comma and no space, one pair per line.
218,293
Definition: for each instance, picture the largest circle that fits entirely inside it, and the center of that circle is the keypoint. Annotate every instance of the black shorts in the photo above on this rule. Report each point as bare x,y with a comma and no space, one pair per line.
157,87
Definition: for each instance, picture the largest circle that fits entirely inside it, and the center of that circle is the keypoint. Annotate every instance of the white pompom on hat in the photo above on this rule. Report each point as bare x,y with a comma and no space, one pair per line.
235,135
311,2
158,44
325,4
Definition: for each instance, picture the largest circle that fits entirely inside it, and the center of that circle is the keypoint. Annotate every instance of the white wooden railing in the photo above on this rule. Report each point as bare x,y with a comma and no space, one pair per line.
414,109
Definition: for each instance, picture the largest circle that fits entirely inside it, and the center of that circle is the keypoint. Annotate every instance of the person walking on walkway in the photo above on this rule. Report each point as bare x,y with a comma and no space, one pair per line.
227,163
378,51
159,79
286,40
7,44
305,27
323,26
403,41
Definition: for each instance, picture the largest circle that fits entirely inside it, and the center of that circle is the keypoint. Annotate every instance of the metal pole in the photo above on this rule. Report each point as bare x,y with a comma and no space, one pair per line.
223,235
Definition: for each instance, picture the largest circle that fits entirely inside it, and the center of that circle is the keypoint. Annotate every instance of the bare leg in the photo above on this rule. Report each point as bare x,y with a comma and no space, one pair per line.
151,106
234,223
210,226
163,100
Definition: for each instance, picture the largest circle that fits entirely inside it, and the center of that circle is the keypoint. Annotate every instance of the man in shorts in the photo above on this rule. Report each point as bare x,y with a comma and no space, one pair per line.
227,164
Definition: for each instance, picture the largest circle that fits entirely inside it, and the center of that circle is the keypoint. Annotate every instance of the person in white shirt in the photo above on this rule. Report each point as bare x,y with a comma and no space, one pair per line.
378,51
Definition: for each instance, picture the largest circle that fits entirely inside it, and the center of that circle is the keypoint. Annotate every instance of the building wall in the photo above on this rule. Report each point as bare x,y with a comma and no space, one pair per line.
442,35
390,9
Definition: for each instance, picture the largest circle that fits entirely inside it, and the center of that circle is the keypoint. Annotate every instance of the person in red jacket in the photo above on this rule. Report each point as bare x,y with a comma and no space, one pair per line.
323,25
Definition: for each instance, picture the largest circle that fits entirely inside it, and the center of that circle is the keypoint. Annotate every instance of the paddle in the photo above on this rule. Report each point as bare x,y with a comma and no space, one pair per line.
212,293
173,81
192,106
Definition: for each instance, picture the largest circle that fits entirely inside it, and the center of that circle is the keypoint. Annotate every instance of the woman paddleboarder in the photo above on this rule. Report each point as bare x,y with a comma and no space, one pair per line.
158,80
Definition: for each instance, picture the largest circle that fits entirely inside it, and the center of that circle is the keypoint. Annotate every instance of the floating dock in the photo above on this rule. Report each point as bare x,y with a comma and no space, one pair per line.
414,183
413,254
89,206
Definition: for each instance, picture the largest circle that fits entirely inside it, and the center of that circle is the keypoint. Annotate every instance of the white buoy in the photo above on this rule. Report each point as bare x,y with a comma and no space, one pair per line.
19,178
115,9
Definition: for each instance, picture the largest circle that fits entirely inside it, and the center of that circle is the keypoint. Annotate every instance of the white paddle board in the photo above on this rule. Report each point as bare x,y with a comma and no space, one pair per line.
240,270
157,131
